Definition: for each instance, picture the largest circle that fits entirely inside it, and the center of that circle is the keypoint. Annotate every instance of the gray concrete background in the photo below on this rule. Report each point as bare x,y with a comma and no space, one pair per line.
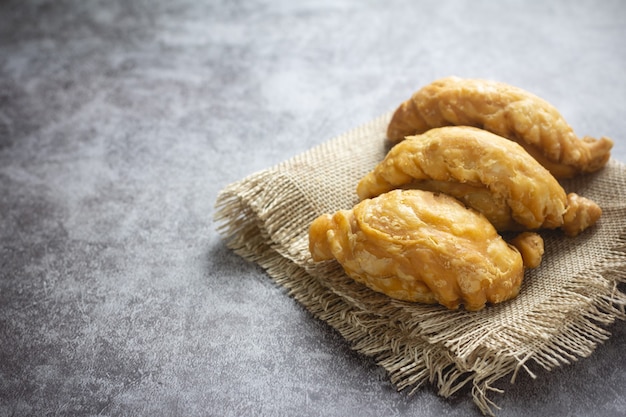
120,121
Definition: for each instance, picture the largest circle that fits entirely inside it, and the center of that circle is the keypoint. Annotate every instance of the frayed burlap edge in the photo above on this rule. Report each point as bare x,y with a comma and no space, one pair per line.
253,224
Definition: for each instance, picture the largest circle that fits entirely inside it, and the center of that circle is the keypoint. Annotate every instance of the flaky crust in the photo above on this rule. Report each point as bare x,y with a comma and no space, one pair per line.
506,111
487,172
424,247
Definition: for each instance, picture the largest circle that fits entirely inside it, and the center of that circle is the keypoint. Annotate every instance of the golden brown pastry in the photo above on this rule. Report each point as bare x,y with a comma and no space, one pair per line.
488,173
506,111
420,246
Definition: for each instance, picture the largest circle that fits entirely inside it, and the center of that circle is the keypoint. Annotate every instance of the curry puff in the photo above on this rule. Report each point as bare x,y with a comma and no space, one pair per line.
506,111
426,247
486,172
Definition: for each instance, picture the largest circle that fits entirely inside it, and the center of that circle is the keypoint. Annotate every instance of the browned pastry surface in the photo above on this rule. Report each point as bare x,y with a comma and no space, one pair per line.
416,245
507,111
488,173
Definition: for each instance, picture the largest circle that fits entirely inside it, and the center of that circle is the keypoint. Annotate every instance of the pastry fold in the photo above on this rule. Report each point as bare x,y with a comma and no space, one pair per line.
487,172
507,111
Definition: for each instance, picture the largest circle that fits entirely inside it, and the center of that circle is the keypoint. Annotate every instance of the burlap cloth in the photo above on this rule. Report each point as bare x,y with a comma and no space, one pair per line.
560,315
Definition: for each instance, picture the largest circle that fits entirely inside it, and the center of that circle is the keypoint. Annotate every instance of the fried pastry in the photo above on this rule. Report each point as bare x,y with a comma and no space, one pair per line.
486,172
506,111
426,247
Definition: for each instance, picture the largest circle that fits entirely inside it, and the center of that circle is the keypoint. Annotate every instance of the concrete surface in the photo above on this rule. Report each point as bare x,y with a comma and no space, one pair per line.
121,120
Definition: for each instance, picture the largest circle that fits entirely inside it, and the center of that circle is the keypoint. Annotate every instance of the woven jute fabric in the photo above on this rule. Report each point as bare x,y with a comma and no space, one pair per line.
560,315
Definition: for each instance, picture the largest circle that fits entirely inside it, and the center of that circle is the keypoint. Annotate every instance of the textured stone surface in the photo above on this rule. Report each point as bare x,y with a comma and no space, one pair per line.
120,122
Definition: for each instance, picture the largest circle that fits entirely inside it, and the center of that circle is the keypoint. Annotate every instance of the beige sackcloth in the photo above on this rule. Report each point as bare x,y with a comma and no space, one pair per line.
561,313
